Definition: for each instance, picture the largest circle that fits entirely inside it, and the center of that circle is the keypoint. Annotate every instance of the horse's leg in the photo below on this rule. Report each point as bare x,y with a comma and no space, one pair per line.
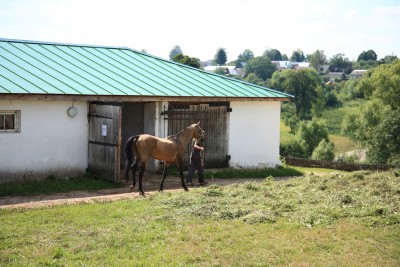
180,167
141,178
134,168
166,165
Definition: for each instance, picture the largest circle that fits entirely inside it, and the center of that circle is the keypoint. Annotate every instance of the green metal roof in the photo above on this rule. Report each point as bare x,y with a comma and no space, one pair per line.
30,67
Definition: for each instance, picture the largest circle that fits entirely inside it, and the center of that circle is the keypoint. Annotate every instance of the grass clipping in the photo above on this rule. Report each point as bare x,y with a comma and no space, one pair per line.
371,197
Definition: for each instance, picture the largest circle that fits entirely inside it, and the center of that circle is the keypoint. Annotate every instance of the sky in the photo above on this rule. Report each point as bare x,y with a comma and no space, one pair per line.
200,28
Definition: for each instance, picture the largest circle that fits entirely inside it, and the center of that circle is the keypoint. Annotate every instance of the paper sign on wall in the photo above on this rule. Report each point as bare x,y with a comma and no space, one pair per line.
103,130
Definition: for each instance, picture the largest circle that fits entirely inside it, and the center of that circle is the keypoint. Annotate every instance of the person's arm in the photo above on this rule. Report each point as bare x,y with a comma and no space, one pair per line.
198,147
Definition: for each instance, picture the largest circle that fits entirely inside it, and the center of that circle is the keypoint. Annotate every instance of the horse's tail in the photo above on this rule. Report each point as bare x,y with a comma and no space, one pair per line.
129,154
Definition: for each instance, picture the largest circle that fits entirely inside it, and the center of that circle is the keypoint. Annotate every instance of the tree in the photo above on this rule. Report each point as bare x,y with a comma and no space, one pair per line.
297,56
273,54
260,66
220,57
340,63
324,151
252,78
388,59
312,133
246,55
175,51
317,59
186,60
367,55
302,84
376,124
243,58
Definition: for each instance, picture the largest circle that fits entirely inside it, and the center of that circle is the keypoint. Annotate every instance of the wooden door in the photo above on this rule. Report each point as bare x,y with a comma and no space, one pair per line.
213,120
105,140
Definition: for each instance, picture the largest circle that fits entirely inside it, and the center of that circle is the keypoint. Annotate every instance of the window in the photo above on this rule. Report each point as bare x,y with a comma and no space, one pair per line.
10,121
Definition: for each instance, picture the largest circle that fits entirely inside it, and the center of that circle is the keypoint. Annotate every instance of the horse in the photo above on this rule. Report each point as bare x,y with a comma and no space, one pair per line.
169,150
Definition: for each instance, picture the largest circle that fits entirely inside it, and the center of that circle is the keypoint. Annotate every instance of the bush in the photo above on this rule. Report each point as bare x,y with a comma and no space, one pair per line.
324,151
311,133
294,148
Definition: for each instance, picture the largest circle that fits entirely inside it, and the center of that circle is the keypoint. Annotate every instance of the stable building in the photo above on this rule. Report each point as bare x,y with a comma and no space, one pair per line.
67,108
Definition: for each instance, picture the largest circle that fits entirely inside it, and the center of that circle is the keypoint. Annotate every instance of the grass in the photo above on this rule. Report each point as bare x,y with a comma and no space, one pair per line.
336,219
50,186
286,136
343,144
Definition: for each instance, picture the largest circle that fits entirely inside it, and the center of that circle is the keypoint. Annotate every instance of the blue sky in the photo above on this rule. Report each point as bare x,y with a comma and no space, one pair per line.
201,27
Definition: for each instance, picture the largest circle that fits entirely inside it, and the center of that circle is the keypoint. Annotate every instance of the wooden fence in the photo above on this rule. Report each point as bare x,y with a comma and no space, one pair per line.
336,165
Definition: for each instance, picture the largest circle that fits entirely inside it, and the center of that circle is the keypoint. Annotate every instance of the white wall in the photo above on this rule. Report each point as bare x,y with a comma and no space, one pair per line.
50,143
254,133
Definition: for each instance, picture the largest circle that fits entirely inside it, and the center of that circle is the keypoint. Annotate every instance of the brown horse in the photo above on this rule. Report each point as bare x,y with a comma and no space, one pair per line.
170,150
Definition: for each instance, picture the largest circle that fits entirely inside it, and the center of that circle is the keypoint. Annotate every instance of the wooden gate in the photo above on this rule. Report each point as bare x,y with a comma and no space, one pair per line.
213,120
105,140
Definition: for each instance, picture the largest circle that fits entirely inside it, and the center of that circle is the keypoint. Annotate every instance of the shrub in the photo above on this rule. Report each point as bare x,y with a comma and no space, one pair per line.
295,148
311,133
324,151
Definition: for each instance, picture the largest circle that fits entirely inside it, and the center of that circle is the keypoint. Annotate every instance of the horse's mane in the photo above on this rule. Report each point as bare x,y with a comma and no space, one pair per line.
182,131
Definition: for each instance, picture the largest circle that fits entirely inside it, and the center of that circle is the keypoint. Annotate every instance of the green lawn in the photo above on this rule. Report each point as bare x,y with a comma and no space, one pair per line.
336,219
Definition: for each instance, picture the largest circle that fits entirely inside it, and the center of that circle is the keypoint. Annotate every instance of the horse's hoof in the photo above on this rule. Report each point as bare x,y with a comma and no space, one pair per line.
186,189
141,193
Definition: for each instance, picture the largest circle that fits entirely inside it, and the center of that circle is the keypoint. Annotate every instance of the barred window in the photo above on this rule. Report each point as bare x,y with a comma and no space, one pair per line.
10,121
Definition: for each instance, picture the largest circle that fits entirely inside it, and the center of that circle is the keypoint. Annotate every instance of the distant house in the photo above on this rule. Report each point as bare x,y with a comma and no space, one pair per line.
323,69
282,64
332,76
231,70
355,74
68,108
303,65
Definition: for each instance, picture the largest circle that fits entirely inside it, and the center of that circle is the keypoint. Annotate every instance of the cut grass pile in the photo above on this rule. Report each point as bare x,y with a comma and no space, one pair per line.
341,219
373,197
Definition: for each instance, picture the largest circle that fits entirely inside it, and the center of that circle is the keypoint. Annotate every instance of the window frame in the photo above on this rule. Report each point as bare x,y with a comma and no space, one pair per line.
17,121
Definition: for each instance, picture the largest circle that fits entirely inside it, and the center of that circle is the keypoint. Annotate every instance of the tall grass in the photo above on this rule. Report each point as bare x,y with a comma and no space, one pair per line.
341,219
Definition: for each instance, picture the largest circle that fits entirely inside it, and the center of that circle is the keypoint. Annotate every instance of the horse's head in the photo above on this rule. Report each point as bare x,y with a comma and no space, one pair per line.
198,132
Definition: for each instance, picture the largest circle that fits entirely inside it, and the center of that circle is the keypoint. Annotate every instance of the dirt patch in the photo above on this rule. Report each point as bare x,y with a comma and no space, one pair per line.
151,183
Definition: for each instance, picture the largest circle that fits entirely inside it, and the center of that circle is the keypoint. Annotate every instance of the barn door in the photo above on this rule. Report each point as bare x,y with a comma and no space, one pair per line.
213,120
105,139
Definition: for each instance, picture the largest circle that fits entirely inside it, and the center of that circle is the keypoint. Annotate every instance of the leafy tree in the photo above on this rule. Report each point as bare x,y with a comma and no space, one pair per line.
365,65
273,54
252,78
285,57
349,91
367,56
324,151
302,84
319,105
312,133
376,124
220,57
317,59
260,66
186,60
245,56
297,56
340,63
175,51
388,59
